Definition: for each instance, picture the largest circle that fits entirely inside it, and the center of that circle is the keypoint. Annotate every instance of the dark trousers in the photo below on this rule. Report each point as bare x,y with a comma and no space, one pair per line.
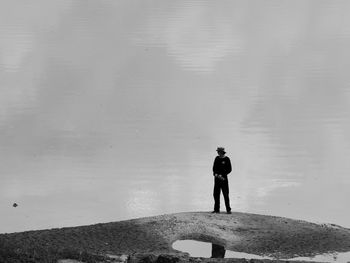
221,185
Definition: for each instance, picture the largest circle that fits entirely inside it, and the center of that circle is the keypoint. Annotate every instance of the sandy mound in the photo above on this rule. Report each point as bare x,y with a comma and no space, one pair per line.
250,233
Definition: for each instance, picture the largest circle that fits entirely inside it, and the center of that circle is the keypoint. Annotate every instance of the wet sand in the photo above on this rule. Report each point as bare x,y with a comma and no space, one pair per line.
243,232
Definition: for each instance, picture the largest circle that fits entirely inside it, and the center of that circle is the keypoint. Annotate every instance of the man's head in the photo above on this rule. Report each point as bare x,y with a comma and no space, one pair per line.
221,151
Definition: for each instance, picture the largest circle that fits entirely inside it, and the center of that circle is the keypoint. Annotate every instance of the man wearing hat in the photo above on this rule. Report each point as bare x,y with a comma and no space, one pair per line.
221,168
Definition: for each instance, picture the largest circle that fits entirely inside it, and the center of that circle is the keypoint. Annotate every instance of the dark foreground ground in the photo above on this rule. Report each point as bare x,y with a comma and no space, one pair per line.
150,239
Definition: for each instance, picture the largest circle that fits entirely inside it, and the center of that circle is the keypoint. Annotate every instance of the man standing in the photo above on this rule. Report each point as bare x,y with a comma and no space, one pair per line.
221,168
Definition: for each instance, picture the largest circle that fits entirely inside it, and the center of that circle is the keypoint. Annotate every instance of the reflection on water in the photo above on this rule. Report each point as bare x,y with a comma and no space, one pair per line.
202,249
111,110
205,249
217,251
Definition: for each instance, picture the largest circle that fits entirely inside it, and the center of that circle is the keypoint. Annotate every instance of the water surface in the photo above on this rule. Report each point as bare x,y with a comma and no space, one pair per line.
111,110
208,250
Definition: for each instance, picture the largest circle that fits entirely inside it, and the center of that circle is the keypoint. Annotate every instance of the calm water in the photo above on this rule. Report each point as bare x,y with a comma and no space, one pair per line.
111,110
204,249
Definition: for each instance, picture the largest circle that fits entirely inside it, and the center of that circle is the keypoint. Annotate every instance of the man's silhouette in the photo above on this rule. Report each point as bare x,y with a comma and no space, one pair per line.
221,168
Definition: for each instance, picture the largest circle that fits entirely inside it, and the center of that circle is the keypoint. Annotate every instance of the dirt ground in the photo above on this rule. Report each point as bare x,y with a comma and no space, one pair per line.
243,232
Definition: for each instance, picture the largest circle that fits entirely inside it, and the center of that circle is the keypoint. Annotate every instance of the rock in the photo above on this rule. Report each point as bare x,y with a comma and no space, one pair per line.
118,258
168,259
142,258
69,261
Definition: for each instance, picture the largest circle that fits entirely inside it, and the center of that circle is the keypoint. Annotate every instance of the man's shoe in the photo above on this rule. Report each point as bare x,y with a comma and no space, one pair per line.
229,212
215,212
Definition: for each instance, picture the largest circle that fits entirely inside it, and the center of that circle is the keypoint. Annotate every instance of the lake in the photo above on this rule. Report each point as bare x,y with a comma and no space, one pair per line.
111,110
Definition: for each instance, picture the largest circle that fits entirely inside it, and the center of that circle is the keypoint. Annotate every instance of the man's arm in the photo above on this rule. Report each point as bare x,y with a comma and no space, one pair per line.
215,172
228,167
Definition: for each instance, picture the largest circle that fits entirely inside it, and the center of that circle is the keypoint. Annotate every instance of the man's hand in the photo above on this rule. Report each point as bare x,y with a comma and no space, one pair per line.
219,176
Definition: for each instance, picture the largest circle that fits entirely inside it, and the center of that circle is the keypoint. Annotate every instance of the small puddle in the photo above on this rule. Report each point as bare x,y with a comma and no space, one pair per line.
209,250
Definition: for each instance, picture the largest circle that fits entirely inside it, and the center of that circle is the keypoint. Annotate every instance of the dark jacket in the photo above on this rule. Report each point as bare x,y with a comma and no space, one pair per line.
222,166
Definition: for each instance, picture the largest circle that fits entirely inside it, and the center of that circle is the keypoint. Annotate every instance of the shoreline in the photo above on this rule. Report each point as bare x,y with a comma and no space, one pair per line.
243,232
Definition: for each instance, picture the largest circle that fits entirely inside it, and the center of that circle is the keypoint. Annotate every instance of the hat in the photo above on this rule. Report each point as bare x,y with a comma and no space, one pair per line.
221,149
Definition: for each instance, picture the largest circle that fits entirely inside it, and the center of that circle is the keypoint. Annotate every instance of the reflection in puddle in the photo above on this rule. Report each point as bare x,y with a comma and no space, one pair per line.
217,251
204,249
